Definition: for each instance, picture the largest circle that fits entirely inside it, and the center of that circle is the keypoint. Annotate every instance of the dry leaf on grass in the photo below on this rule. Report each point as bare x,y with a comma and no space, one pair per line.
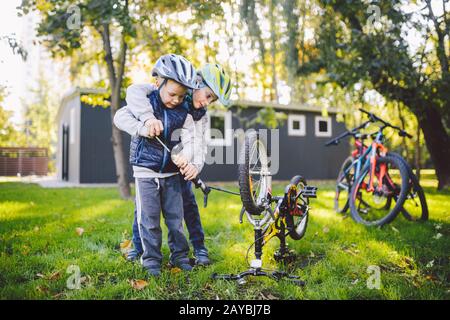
59,295
326,229
138,284
79,231
55,276
125,246
42,289
175,270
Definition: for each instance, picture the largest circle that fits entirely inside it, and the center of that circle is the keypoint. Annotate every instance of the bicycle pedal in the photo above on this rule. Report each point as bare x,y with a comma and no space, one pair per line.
310,192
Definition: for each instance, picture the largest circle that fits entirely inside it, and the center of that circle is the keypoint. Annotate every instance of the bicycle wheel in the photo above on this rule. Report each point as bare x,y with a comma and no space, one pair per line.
415,207
343,185
373,208
296,217
254,175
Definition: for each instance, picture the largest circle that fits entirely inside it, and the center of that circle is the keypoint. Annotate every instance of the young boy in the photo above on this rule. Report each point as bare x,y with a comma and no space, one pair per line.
214,84
158,186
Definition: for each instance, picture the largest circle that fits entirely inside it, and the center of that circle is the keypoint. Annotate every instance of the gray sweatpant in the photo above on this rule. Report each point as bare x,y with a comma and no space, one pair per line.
154,195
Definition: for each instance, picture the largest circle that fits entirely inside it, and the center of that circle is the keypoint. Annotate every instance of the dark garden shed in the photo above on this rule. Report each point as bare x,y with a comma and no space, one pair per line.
85,152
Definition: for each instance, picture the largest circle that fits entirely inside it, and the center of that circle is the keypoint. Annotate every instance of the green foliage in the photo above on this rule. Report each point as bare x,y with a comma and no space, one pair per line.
10,136
40,126
270,118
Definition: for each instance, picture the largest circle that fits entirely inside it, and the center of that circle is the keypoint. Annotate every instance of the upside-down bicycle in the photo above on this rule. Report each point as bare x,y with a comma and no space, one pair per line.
271,216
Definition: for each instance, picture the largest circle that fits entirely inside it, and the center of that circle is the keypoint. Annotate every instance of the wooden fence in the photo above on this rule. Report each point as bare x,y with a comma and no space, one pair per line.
23,161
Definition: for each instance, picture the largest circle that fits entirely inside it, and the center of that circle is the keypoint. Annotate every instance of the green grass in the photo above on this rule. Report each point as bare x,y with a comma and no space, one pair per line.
38,242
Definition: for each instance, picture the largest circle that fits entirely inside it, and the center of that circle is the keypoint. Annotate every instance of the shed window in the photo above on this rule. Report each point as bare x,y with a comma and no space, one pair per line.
323,127
296,125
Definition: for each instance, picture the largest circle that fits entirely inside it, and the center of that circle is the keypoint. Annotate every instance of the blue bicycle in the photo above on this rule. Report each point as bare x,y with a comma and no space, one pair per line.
372,177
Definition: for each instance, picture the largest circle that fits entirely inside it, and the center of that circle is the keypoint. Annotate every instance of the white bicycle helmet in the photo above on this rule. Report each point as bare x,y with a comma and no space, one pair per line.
177,68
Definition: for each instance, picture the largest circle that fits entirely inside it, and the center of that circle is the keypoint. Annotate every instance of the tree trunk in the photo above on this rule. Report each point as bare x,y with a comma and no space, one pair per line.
418,153
119,155
115,85
438,143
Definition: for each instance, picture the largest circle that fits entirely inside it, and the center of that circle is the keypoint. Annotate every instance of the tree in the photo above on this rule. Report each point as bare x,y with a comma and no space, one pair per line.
353,47
9,135
40,114
67,27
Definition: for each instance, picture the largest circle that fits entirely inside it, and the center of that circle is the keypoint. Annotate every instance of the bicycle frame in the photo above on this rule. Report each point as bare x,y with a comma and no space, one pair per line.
366,158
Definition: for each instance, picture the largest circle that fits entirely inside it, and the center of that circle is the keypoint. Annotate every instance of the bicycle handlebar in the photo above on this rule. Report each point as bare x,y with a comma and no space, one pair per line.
374,118
353,132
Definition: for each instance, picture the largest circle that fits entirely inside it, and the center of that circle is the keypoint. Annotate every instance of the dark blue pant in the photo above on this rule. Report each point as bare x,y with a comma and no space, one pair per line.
191,218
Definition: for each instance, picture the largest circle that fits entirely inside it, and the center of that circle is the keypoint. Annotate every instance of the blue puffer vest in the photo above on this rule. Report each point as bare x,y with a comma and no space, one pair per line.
149,153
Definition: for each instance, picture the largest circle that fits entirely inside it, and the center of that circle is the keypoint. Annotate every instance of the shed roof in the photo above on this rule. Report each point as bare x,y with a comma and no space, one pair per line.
247,103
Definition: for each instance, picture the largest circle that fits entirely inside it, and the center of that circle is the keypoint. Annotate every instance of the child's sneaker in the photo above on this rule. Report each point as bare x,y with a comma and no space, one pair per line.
154,271
133,255
201,257
183,265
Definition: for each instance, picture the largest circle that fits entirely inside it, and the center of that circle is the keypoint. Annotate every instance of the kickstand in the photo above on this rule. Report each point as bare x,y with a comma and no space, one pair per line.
275,275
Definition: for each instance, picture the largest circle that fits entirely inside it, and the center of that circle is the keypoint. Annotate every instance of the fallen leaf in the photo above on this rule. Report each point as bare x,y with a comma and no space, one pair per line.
55,276
40,275
175,270
79,231
431,277
42,289
311,254
138,284
25,250
326,230
58,295
125,246
351,251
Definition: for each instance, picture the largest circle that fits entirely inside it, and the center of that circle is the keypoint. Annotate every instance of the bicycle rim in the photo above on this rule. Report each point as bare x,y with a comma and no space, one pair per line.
343,186
373,207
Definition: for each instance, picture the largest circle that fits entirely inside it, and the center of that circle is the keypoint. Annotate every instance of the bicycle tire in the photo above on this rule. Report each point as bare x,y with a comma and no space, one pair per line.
415,187
297,227
338,192
249,199
392,214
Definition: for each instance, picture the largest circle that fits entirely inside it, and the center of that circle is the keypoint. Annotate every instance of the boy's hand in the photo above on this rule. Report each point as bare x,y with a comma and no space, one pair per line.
180,161
190,172
155,127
